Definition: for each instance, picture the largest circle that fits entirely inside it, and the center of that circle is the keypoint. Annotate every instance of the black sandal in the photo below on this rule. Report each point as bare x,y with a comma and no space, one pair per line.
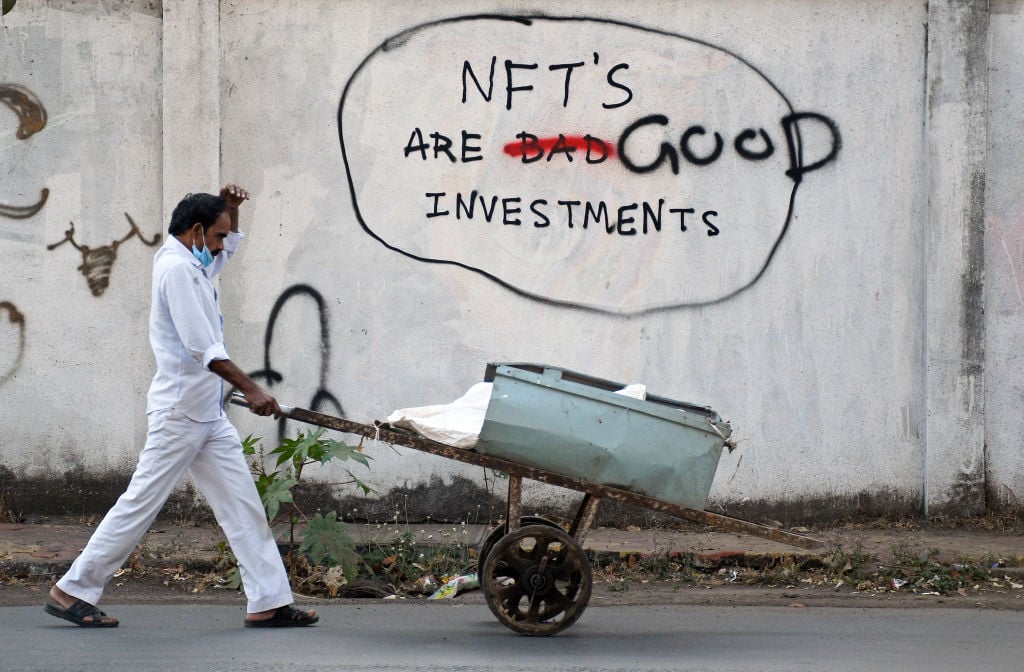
78,612
284,617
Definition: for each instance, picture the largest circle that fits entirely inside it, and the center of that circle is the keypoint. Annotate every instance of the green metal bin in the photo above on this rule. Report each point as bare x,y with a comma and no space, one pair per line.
577,426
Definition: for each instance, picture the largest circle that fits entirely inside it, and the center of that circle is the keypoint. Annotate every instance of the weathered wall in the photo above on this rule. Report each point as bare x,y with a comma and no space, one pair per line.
854,319
73,367
1004,258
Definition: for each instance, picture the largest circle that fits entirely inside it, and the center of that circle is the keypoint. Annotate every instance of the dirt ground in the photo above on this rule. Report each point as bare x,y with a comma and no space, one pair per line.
978,564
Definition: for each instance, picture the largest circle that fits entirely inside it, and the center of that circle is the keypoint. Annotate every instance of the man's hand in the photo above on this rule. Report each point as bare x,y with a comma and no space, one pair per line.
234,195
260,401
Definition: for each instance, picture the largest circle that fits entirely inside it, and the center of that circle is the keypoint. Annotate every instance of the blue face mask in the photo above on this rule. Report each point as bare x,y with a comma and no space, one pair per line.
204,256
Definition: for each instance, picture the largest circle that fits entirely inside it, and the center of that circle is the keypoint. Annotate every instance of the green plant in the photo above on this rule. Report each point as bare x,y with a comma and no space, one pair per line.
320,539
227,565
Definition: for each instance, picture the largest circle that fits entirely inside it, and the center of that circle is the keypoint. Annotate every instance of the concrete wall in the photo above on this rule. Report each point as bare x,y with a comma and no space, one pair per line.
846,290
1004,257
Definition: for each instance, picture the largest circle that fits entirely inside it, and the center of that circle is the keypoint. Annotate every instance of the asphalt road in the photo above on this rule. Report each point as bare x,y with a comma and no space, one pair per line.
453,636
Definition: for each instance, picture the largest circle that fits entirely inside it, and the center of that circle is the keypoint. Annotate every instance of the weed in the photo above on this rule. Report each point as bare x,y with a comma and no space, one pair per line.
785,572
310,541
643,568
417,562
918,571
842,561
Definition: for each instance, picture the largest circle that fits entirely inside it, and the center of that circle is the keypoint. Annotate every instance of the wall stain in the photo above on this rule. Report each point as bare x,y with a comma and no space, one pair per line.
97,263
78,492
84,493
967,495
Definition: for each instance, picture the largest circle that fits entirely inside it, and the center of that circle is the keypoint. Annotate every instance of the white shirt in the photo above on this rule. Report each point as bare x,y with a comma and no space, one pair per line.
186,331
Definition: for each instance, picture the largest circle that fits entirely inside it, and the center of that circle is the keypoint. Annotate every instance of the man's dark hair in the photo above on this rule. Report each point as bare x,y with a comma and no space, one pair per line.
202,208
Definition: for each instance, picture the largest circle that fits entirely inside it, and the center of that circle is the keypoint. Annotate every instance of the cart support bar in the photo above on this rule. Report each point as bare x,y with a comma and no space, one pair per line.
515,502
585,517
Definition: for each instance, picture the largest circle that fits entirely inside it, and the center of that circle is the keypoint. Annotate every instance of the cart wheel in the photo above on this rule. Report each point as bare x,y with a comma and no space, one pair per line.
500,531
537,580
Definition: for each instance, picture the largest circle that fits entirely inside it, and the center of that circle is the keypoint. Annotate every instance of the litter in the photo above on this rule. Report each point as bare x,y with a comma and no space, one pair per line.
456,585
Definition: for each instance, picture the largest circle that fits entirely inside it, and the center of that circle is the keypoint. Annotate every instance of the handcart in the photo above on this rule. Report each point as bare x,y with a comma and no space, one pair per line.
577,432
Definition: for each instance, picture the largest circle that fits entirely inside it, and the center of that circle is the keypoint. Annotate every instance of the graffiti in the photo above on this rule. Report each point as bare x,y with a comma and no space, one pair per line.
31,119
656,172
25,211
31,113
572,214
322,399
11,356
97,263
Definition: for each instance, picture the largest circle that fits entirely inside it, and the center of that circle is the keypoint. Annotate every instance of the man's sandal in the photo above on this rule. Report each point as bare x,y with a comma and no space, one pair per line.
78,613
284,617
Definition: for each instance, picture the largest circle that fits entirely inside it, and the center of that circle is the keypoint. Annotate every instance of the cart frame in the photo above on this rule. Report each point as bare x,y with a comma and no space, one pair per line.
593,492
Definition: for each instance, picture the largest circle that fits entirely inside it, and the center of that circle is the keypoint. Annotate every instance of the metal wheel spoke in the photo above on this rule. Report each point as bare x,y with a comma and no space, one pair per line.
510,595
534,610
540,549
556,604
505,570
565,571
520,562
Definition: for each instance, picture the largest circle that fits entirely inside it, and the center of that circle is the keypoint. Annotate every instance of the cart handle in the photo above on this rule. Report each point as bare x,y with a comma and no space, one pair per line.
238,399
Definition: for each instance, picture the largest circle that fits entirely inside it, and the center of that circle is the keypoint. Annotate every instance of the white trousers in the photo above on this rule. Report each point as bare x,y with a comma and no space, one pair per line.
212,452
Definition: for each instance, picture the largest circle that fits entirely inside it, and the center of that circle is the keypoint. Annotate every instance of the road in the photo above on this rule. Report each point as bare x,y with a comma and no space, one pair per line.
361,635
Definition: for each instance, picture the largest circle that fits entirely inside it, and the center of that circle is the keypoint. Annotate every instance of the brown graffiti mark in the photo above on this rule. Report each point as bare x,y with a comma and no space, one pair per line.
25,211
31,113
16,318
97,263
31,120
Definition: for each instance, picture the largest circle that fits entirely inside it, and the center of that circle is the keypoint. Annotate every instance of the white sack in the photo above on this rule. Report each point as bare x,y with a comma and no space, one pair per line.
636,390
456,424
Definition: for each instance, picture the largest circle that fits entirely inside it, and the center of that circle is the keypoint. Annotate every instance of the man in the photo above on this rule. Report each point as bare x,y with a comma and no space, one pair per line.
188,429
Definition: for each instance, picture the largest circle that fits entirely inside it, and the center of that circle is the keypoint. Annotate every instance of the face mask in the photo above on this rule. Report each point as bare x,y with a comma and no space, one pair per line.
204,256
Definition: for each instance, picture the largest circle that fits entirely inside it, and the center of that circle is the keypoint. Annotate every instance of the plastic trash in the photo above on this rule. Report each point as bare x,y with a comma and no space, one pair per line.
425,584
456,585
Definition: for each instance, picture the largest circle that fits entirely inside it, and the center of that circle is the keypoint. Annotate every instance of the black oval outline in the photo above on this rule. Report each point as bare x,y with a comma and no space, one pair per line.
399,39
